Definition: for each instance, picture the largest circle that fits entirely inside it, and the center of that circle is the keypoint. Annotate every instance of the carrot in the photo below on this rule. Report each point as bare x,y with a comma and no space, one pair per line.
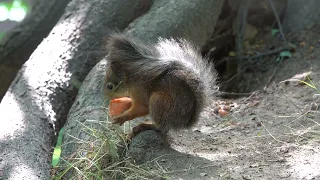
119,105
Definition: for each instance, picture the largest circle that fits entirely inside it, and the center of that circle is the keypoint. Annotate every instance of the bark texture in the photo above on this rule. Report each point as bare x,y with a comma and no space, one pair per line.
301,14
19,43
88,130
192,20
45,87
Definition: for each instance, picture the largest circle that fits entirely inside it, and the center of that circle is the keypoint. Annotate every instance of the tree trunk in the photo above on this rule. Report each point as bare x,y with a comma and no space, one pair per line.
88,130
44,89
192,20
301,14
19,43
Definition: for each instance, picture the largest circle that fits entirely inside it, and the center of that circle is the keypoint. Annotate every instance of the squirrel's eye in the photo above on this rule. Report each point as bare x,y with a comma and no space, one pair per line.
110,86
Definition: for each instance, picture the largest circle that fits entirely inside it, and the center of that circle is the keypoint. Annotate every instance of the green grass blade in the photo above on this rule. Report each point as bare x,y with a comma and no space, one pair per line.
57,149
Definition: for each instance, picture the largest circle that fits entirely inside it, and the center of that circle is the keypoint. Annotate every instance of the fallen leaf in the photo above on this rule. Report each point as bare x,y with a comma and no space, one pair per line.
206,129
274,31
300,78
223,112
232,53
286,54
302,44
203,174
311,48
254,165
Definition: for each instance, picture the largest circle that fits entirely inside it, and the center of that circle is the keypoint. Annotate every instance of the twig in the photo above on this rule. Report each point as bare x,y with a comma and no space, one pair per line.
291,101
241,27
274,51
240,32
257,56
239,72
222,93
253,93
271,134
272,76
278,20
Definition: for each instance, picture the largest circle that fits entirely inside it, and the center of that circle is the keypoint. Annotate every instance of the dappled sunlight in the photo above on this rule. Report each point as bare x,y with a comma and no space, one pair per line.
305,162
21,171
39,93
211,156
15,11
47,72
215,156
10,111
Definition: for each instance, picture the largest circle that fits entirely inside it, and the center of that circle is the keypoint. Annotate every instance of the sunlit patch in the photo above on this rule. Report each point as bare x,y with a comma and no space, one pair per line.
21,172
16,11
17,14
50,69
213,156
10,111
4,13
305,163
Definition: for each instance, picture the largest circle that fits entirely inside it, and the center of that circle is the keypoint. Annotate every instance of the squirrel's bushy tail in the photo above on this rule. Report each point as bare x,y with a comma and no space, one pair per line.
197,71
187,55
136,58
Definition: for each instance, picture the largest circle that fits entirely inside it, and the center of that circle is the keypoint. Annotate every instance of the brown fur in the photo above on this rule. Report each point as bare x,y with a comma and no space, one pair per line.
168,80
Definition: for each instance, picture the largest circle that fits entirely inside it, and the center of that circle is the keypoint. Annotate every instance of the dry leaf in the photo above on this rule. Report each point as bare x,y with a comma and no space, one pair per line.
302,44
232,53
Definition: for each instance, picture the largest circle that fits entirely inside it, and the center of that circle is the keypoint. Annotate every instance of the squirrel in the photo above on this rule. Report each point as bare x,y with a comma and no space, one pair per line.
168,80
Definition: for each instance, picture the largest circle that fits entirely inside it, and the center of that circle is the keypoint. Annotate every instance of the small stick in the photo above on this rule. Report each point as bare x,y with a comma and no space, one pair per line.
278,20
222,93
274,51
272,76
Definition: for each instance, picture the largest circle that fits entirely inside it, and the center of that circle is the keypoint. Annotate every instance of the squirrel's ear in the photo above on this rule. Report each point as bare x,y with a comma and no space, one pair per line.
122,48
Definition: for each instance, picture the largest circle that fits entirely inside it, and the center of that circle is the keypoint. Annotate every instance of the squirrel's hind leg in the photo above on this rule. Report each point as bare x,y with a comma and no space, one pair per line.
171,109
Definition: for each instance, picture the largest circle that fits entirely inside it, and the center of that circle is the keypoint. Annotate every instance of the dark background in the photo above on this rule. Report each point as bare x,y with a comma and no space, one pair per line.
7,25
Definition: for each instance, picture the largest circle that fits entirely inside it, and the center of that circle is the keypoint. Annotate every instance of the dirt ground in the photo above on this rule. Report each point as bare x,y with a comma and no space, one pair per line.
271,134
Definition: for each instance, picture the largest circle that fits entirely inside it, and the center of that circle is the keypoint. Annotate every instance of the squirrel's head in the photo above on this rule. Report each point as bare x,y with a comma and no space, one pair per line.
114,86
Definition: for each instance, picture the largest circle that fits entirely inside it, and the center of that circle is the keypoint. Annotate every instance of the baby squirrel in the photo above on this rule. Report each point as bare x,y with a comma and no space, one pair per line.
168,80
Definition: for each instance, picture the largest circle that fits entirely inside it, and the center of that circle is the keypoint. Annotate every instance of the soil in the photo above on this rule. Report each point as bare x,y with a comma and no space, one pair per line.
273,133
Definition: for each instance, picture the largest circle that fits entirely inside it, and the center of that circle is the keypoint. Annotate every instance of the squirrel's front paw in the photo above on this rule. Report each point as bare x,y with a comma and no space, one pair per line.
119,120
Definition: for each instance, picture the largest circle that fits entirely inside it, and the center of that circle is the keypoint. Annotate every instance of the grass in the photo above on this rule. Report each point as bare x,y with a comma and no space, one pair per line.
106,158
304,126
102,158
310,131
1,35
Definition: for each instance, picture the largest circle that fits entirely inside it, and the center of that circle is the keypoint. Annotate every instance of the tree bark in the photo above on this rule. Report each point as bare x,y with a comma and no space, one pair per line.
88,130
19,43
301,14
45,87
192,20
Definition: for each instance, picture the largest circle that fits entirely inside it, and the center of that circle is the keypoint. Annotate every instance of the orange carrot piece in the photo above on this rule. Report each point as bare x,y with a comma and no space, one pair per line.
119,105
